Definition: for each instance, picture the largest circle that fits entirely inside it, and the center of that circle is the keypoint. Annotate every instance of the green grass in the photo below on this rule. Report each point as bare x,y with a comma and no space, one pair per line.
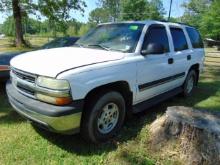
6,44
20,143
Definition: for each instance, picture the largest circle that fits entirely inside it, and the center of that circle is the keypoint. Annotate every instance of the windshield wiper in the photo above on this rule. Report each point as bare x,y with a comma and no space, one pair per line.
100,46
97,45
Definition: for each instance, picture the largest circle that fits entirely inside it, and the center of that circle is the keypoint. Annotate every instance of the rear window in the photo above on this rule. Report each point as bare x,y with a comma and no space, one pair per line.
179,39
195,37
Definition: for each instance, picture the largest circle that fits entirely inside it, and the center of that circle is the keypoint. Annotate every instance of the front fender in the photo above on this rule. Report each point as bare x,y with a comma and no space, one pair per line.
82,83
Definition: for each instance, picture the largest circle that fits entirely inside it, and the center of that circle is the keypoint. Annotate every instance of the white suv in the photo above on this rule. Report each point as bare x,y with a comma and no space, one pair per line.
115,69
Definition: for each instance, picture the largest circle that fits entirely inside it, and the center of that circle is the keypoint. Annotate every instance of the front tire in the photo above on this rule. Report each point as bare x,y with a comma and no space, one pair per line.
189,83
103,117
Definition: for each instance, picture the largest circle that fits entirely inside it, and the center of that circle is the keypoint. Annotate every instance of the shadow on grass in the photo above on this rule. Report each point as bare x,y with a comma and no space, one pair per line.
11,118
133,125
7,115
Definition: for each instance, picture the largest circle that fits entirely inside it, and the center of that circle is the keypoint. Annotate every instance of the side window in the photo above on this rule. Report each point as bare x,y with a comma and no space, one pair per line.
195,38
179,39
156,34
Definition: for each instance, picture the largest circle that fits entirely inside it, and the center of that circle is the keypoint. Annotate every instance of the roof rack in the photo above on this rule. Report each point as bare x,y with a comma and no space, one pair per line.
175,22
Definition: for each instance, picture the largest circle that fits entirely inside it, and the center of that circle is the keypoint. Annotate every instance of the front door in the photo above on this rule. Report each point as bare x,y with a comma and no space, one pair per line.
154,70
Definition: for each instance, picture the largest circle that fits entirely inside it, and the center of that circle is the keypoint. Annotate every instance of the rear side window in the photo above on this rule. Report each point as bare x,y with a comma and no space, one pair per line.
156,34
195,37
179,39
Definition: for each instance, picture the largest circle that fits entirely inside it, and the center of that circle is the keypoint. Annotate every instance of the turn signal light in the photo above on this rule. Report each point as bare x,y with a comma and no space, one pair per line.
54,100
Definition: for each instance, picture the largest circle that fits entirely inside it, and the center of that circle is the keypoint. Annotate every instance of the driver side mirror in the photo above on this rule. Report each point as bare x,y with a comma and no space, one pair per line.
153,48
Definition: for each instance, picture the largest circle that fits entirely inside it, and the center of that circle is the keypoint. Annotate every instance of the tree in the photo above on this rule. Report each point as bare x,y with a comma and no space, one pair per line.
112,7
134,10
203,14
8,27
57,11
98,15
17,14
1,28
210,22
194,9
156,10
84,29
142,9
73,27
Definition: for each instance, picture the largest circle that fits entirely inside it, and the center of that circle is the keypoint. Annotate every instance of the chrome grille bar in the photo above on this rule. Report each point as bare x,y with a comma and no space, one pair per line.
24,76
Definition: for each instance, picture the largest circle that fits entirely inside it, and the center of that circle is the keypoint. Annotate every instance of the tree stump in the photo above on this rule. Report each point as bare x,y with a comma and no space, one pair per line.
192,135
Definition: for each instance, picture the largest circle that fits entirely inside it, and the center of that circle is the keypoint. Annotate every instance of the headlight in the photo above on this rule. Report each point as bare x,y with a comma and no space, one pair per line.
54,91
51,83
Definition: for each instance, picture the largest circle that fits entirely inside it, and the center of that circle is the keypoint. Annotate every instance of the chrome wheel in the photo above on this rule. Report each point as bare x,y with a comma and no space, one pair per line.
190,84
108,118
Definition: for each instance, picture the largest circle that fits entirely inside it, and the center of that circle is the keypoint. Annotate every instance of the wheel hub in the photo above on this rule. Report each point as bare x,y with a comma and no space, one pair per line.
108,118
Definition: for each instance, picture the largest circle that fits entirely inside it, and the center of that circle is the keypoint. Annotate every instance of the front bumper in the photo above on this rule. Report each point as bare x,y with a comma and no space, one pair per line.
61,119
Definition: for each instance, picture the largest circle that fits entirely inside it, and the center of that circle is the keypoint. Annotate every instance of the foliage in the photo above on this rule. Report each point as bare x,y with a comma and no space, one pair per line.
59,20
8,27
134,10
127,10
112,7
84,29
43,28
156,10
71,31
57,12
98,15
194,10
172,19
75,26
203,14
142,9
210,24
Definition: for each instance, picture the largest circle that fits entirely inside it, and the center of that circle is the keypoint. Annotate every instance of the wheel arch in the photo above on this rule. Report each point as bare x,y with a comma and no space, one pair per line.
196,68
120,86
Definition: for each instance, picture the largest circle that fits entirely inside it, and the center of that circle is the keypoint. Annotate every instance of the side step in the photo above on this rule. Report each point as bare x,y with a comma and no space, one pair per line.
155,100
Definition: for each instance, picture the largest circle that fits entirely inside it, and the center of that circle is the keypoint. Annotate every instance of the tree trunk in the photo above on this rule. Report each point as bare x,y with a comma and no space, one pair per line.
189,135
19,40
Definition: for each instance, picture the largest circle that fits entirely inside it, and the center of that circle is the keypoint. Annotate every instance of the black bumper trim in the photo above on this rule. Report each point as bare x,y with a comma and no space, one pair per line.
41,107
152,84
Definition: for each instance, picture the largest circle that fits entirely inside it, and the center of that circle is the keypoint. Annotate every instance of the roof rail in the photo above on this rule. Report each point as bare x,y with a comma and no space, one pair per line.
163,20
182,23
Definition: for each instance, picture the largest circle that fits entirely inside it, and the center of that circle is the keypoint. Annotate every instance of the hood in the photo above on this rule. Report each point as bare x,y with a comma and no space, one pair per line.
51,62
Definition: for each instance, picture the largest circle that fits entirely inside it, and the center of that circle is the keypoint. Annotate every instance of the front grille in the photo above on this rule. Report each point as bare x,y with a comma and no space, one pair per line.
24,82
24,76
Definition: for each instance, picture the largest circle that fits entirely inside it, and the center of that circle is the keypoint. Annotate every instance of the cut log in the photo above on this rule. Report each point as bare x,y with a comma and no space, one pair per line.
193,134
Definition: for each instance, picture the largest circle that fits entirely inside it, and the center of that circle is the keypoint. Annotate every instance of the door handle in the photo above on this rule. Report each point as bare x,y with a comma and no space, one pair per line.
170,61
189,57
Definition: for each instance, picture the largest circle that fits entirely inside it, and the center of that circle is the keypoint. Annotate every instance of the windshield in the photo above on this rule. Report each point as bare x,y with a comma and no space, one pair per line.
59,42
117,37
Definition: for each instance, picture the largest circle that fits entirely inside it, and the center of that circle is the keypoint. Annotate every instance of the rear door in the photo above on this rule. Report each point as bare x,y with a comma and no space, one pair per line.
196,46
181,54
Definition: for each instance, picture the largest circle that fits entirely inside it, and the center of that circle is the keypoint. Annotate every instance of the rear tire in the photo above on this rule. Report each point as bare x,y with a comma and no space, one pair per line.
103,117
189,83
